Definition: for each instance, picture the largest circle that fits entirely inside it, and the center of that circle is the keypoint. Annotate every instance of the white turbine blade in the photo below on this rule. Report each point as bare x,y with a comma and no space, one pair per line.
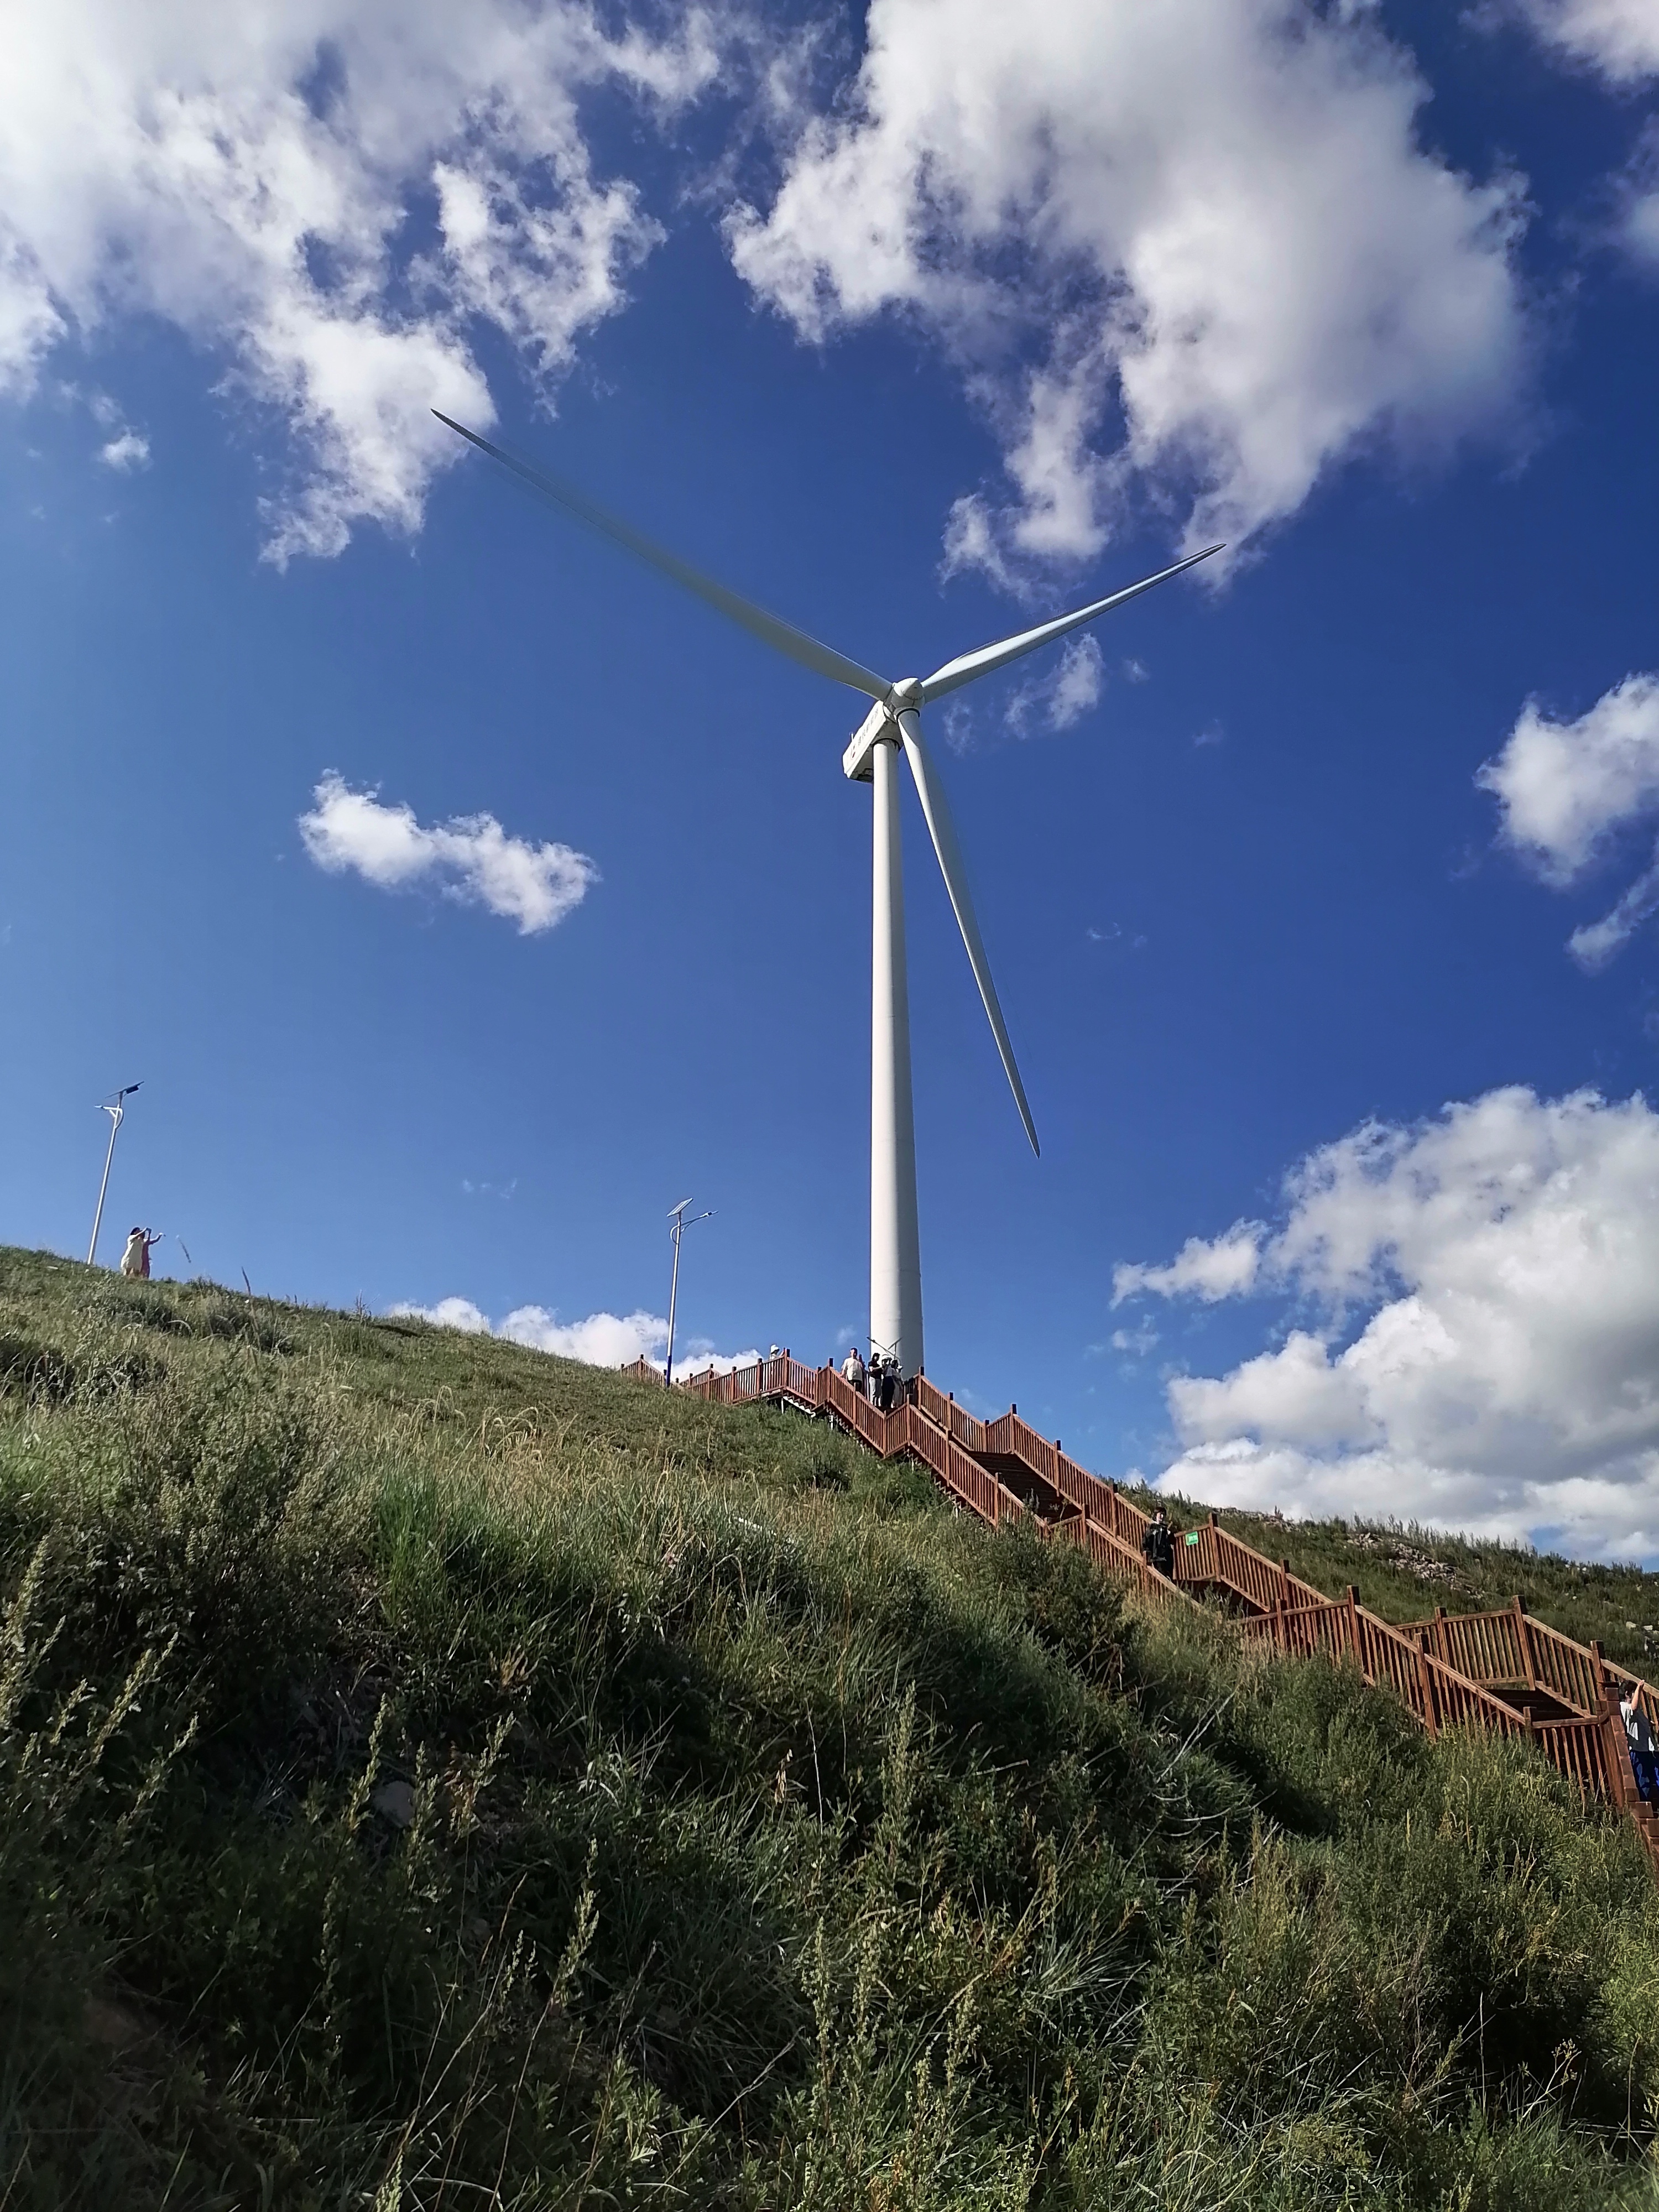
782,636
942,831
967,666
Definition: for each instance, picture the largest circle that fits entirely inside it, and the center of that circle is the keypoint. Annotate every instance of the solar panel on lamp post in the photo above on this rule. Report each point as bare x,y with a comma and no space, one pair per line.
116,1108
678,1225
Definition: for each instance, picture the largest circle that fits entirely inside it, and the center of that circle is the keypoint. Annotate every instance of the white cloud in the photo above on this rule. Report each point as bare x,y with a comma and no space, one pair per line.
1618,39
1594,943
1562,786
1192,254
1504,1379
471,858
125,452
1064,695
602,1340
1636,200
1221,1268
328,197
449,1313
1564,789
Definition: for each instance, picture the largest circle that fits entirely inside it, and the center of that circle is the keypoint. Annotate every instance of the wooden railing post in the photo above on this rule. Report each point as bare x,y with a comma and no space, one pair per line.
1351,1596
1425,1682
1523,1637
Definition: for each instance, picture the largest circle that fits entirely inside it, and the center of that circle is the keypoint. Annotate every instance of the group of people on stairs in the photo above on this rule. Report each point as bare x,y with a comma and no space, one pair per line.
878,1378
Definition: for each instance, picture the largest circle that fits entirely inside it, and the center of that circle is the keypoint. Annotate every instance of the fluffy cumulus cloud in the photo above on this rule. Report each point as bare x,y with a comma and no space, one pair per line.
330,198
602,1340
1194,253
1617,39
1565,789
472,859
1479,1297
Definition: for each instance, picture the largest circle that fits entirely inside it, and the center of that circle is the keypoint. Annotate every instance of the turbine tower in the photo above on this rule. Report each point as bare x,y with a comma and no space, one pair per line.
892,725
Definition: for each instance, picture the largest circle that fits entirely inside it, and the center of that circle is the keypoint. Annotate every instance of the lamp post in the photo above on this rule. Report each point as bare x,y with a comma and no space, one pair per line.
678,1226
116,1108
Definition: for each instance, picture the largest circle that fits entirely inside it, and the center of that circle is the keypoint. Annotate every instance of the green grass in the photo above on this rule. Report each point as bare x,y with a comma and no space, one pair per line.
434,1774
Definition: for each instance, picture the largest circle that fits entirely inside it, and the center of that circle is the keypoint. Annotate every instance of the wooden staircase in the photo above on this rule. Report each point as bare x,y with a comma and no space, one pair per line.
1503,1671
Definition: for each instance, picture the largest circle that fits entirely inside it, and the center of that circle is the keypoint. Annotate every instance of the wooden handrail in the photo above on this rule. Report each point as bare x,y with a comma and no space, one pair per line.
1446,1670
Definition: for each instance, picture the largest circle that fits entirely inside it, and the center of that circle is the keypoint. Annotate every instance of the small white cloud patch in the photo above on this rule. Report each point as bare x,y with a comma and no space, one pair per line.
1636,195
602,1339
1217,1268
1064,695
125,452
469,859
1564,790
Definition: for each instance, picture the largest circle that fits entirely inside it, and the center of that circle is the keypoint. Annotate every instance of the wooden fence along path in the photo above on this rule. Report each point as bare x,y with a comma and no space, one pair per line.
1501,1671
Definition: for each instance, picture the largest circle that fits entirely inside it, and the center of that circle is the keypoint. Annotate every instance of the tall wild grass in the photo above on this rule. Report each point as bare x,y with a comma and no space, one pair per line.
431,1775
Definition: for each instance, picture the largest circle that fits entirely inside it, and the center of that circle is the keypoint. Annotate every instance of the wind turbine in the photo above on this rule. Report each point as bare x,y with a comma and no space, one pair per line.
893,725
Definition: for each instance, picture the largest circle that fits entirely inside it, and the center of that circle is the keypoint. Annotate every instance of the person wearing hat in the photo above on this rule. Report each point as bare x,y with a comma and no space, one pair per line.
135,1260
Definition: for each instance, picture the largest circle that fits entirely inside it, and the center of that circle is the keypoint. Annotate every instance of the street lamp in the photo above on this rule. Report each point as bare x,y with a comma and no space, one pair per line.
116,1108
678,1226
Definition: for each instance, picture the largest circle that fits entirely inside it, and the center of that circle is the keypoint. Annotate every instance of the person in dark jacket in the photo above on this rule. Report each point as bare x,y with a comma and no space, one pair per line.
1158,1545
1643,1751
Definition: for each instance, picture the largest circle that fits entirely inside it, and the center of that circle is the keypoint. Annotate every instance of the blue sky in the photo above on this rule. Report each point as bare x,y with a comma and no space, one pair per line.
915,326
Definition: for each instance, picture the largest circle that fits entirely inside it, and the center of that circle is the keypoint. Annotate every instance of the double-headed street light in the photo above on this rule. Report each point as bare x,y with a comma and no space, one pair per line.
678,1226
116,1108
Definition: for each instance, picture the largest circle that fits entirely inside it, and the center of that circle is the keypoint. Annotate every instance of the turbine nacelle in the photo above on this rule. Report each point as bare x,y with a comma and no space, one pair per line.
877,728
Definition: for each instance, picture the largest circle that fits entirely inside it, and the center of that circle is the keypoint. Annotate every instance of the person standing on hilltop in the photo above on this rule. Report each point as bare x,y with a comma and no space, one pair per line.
135,1260
851,1368
1158,1545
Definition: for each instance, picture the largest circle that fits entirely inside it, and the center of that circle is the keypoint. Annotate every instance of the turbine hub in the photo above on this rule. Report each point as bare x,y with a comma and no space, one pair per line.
906,697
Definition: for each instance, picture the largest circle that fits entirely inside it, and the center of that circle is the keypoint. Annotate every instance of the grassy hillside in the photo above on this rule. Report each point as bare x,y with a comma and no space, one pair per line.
433,1774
